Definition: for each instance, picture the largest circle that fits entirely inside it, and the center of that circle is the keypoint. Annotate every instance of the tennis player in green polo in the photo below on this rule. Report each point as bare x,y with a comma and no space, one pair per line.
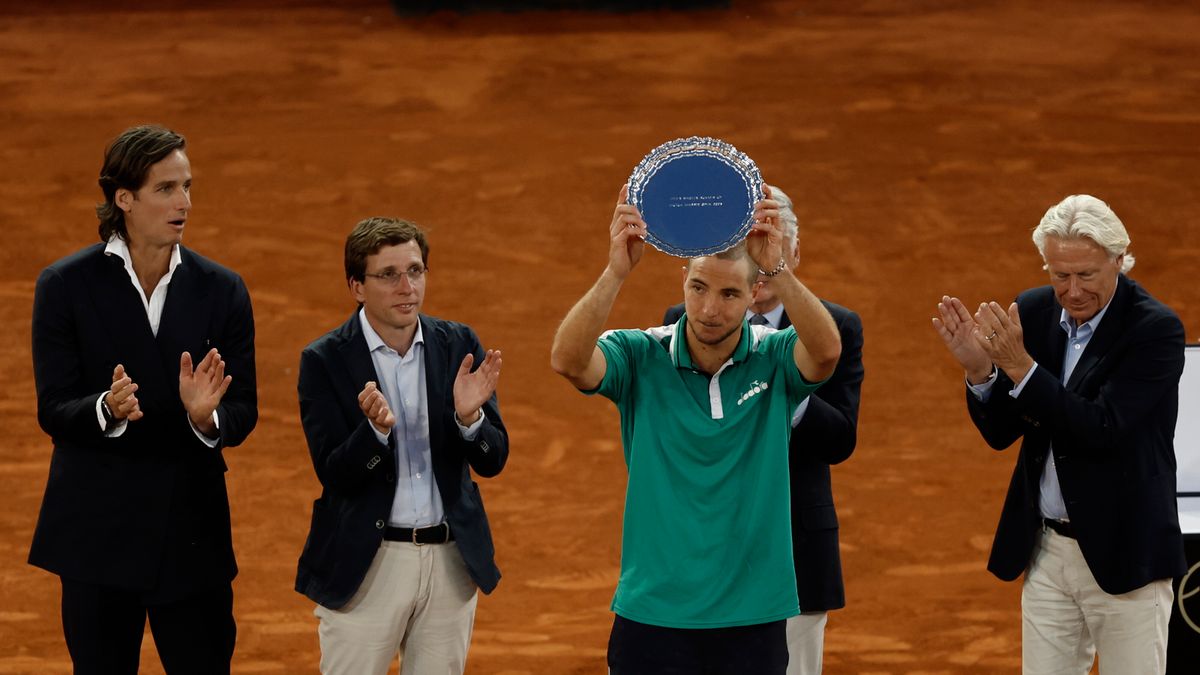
707,579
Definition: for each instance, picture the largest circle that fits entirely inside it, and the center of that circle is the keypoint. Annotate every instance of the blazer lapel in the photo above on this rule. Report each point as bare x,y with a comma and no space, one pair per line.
354,352
1106,335
121,311
436,370
1054,342
184,318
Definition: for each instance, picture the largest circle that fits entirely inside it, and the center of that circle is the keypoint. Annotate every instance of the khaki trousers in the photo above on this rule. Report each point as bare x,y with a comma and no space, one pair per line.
1066,619
416,601
806,643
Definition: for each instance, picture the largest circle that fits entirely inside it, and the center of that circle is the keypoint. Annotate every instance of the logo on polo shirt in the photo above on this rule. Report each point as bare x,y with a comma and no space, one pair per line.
755,389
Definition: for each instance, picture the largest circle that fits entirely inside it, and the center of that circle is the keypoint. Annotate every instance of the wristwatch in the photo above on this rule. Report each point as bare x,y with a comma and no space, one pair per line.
106,412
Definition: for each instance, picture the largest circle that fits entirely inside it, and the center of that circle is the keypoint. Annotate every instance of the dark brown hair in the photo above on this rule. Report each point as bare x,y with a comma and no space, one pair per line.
127,161
372,234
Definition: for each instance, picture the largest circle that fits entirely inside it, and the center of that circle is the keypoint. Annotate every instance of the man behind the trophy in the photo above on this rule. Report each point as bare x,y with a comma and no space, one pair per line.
707,580
824,432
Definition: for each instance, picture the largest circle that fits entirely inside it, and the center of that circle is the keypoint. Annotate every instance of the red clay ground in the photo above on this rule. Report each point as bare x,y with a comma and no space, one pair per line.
921,146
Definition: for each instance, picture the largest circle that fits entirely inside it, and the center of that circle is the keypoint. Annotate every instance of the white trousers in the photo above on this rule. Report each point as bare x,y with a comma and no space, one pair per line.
806,643
416,601
1066,619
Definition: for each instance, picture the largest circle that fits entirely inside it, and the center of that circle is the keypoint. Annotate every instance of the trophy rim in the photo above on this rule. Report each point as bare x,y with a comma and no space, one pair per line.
689,147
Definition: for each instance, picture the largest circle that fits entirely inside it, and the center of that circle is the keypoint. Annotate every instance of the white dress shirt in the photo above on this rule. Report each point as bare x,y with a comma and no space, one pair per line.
154,308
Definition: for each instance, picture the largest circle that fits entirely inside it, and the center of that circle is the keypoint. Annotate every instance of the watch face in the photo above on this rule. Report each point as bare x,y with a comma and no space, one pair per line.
696,195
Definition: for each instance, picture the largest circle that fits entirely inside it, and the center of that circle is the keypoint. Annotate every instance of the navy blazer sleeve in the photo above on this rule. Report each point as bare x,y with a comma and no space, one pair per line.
828,432
344,448
237,413
66,403
1100,416
487,452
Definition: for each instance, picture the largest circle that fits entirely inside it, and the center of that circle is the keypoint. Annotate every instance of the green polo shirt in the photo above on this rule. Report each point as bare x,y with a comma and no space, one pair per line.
707,537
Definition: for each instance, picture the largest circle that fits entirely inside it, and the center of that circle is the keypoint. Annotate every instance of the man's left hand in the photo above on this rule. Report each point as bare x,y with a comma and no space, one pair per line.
201,389
473,389
765,242
999,333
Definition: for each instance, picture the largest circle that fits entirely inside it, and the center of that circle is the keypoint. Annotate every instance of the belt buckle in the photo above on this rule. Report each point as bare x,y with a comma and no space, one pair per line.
445,540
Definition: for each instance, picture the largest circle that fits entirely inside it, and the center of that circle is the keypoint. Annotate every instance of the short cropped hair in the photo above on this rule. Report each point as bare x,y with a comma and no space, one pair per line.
127,161
1085,217
372,234
736,252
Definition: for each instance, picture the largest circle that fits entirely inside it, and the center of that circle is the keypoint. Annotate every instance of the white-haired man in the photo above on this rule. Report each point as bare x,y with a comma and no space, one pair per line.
1086,372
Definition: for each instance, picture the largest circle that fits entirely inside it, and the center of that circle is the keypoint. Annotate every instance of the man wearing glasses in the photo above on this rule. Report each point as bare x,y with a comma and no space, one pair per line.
395,410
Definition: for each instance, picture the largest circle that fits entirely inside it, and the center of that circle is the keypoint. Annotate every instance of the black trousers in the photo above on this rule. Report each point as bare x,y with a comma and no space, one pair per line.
104,626
641,649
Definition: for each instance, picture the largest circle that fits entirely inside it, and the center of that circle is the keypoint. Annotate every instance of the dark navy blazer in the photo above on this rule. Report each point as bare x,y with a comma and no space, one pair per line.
1112,427
148,510
358,473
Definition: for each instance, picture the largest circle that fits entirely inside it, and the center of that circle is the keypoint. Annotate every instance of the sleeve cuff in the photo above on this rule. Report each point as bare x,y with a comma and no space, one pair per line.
469,433
984,390
210,442
1016,391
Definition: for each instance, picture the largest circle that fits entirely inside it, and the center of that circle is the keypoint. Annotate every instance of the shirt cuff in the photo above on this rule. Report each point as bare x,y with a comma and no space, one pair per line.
469,433
800,410
983,390
1016,391
382,438
117,429
210,442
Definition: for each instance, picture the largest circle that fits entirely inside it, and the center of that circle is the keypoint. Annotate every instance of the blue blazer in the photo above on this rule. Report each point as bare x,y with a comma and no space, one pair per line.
358,473
1112,426
146,511
826,435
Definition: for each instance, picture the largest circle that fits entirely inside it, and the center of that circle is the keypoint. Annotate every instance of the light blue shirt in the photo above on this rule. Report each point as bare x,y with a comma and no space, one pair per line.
1050,498
417,502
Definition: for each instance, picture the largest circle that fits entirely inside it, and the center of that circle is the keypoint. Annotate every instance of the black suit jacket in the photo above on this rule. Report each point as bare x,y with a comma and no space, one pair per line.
358,473
147,510
1112,427
827,434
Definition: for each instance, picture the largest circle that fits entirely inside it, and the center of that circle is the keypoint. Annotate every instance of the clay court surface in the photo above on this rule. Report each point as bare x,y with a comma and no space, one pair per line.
921,141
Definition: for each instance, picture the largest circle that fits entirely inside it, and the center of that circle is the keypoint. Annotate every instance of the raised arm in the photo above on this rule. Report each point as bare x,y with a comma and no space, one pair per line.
575,355
819,344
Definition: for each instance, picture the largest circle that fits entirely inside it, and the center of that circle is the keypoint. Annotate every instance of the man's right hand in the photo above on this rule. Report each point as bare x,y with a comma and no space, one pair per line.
627,236
956,326
121,398
375,407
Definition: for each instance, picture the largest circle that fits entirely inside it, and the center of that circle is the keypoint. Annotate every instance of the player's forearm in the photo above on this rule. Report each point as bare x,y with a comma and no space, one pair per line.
575,341
814,326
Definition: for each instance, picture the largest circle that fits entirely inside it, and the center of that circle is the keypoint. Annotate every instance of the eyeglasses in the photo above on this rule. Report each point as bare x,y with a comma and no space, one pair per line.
392,278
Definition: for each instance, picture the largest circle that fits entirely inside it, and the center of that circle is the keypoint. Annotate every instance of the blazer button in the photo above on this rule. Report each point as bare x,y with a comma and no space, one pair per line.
379,524
390,478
